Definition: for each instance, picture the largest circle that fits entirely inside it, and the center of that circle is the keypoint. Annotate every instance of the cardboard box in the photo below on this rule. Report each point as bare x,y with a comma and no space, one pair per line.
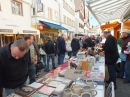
73,74
85,64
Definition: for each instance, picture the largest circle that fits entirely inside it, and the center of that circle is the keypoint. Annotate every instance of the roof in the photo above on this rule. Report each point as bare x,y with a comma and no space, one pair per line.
107,10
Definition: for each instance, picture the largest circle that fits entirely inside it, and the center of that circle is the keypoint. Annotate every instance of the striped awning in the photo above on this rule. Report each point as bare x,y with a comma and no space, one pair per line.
107,10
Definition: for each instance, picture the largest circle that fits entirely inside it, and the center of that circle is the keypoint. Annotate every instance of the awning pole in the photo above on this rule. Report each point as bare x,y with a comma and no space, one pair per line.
122,26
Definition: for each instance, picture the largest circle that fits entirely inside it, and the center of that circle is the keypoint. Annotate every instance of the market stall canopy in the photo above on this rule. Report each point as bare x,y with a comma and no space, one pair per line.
15,29
107,10
116,24
53,25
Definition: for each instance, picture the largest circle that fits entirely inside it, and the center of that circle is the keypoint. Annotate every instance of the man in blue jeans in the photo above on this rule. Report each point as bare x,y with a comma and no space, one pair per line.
32,55
50,50
111,56
62,48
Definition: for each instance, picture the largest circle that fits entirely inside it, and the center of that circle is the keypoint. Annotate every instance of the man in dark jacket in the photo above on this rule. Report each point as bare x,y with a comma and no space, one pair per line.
111,56
14,61
89,42
75,45
125,64
50,50
61,48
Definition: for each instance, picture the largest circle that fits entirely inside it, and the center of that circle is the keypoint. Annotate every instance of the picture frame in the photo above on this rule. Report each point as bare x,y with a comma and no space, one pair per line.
40,7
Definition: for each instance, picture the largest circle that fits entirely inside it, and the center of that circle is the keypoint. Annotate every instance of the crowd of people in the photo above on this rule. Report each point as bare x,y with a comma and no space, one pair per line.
18,59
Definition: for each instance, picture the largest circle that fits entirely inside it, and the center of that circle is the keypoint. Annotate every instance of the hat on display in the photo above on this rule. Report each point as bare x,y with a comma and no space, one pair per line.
125,30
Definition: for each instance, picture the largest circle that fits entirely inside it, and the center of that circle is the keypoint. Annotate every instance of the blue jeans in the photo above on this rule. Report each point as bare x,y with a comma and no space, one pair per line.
48,59
32,72
10,91
75,53
122,68
112,72
44,61
127,70
61,58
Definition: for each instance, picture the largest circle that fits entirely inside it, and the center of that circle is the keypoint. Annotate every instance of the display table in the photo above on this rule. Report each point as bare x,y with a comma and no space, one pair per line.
51,81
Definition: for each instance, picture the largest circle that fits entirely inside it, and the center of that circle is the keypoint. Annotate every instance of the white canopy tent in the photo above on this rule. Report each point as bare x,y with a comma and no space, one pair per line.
106,10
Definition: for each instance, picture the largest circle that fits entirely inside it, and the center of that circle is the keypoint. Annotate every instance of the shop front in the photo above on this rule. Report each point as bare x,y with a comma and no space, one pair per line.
49,29
8,33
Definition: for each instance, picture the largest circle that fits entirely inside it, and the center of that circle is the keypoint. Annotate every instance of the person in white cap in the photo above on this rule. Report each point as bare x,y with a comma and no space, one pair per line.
125,64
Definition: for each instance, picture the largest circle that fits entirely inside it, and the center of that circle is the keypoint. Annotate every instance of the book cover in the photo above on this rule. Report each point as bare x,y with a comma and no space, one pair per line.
46,90
37,94
25,90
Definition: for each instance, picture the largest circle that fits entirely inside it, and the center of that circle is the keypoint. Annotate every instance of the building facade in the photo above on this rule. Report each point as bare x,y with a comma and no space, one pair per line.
48,14
15,18
79,16
67,15
55,18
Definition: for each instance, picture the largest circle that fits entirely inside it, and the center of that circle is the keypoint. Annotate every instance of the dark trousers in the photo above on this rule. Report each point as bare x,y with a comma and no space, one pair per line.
127,70
112,73
1,91
75,53
32,72
69,54
122,68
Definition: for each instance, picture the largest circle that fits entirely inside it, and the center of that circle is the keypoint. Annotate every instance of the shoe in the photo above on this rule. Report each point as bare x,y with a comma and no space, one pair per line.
54,68
115,87
118,76
126,82
107,81
47,70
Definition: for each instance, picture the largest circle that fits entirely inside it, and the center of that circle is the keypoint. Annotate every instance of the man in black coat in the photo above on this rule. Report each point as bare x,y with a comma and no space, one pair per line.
111,56
75,45
50,50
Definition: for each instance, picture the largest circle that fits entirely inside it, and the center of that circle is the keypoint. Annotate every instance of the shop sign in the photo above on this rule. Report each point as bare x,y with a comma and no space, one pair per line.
28,31
40,7
6,30
41,27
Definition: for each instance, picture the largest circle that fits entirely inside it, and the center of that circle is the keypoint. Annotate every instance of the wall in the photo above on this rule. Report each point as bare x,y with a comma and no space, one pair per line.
78,20
7,16
44,15
69,24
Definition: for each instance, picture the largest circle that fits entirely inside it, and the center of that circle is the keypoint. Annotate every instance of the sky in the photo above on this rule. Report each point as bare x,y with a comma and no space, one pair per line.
92,20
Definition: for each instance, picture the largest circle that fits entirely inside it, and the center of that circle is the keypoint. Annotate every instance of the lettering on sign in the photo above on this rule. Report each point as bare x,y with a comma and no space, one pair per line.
6,30
28,31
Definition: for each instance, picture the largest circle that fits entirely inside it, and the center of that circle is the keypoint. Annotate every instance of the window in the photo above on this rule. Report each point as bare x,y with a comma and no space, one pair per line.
63,4
0,6
56,15
49,13
16,7
34,13
64,19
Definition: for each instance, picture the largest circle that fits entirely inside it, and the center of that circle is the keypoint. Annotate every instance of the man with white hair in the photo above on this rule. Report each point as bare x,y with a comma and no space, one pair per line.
125,65
111,56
